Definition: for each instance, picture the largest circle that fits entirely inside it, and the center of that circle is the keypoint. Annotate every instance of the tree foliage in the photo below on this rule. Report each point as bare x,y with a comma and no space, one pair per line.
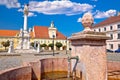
6,43
51,45
58,45
43,45
32,44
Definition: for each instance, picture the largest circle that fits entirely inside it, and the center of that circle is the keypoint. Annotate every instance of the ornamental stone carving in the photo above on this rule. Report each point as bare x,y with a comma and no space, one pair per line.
87,21
26,9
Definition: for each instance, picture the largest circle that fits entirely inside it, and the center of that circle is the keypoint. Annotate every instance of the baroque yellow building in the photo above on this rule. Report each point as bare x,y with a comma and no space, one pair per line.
42,34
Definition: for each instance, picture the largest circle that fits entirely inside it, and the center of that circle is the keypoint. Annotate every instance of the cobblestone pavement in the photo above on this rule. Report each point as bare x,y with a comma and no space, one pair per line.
14,60
113,56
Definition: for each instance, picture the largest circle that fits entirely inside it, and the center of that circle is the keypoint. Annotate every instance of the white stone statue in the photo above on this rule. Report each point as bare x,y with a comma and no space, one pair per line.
35,43
26,9
11,47
30,30
21,32
38,47
87,21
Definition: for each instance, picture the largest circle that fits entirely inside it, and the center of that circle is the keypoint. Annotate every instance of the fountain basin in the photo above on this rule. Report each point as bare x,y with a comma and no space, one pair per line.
52,68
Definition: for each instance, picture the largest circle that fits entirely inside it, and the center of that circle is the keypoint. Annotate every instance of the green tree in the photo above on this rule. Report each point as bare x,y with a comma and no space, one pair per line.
32,44
43,45
51,45
6,43
58,45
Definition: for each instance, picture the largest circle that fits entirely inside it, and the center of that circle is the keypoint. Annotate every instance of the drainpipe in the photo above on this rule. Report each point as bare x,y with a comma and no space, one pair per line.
74,68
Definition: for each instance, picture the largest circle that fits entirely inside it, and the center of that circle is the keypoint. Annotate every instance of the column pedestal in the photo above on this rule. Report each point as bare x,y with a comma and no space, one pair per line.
91,48
24,40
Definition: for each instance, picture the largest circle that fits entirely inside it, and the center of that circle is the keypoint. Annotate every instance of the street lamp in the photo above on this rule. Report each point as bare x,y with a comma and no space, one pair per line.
66,45
53,44
70,52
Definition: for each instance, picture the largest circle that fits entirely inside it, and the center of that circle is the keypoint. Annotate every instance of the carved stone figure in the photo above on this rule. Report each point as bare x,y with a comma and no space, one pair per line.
26,9
87,21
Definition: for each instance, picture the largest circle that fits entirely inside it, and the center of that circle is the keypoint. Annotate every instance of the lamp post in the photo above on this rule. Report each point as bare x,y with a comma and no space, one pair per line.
53,44
66,45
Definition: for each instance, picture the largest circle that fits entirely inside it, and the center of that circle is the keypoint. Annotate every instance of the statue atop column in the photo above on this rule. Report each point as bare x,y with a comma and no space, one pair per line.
26,9
26,12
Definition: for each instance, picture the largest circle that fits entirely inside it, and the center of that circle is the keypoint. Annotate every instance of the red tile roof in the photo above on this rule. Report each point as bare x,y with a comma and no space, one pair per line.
109,20
11,33
42,32
39,32
8,33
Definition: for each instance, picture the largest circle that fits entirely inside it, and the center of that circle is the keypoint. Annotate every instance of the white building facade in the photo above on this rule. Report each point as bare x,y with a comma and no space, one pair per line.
111,27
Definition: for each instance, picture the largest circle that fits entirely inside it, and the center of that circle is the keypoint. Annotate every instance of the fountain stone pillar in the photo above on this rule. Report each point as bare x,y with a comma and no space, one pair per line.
90,46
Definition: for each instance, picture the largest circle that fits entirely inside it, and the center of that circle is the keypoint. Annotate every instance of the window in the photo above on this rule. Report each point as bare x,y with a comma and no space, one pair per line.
118,26
111,27
105,29
111,35
99,30
111,46
118,35
41,41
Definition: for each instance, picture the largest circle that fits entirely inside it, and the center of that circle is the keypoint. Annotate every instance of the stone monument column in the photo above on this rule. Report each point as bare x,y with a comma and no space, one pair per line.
26,33
90,46
24,36
25,17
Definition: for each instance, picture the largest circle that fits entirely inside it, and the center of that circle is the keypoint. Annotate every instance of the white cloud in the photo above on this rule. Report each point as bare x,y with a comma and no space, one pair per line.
79,19
10,3
20,10
59,7
31,14
99,14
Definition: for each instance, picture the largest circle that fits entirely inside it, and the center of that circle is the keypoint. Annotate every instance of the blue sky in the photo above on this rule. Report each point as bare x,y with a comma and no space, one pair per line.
66,14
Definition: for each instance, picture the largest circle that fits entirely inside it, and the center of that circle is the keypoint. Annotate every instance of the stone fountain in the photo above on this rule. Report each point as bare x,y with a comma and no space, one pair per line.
90,46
